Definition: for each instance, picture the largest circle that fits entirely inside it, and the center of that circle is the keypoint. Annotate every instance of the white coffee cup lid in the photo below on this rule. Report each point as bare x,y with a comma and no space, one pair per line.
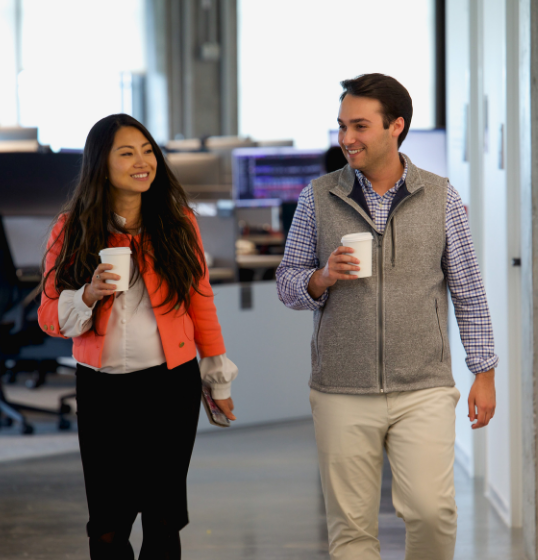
354,237
110,251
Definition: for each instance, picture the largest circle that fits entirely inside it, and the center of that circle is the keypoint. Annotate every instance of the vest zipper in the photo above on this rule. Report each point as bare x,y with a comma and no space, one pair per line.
381,301
381,262
381,293
393,231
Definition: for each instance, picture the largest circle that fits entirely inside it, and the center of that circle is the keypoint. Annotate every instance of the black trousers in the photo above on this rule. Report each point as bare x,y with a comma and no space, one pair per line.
136,434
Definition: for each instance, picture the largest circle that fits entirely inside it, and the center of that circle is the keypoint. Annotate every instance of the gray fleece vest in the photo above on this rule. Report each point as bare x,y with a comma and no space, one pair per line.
387,332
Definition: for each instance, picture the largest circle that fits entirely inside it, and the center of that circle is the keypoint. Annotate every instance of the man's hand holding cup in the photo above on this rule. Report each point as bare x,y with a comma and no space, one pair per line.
340,262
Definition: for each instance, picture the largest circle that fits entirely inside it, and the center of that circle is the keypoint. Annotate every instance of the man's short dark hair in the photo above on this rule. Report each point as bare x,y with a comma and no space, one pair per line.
394,98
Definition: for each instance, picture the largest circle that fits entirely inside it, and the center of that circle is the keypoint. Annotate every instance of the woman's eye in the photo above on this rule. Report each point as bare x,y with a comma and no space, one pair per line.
149,151
127,154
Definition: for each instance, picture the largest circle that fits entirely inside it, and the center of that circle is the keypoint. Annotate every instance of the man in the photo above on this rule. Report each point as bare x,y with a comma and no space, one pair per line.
381,370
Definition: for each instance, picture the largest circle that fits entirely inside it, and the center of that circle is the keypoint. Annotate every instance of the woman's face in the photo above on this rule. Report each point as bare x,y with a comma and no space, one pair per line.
132,165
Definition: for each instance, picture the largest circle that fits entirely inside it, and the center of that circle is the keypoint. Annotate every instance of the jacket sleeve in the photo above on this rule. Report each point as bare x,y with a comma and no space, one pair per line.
47,314
202,311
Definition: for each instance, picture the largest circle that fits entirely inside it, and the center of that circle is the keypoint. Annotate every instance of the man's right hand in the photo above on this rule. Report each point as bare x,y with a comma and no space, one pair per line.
339,262
98,289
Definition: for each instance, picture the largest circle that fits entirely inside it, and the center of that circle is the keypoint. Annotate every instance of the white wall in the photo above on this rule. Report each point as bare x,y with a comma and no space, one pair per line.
477,76
496,259
270,344
458,53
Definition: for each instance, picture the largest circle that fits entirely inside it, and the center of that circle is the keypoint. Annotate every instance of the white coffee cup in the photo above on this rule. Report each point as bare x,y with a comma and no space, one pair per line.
120,259
361,243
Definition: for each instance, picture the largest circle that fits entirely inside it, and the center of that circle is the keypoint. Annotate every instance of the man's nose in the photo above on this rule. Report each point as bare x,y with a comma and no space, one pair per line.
348,138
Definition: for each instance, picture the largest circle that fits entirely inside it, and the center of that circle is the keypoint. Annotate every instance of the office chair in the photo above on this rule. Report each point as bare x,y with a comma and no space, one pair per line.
17,331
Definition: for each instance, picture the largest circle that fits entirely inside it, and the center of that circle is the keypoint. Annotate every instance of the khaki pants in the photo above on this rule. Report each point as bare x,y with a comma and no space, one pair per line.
417,430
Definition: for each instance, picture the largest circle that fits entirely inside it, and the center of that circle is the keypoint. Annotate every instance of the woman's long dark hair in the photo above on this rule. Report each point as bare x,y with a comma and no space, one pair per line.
167,234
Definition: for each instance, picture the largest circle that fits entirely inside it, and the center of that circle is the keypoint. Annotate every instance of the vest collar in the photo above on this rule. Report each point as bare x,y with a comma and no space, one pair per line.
413,181
347,181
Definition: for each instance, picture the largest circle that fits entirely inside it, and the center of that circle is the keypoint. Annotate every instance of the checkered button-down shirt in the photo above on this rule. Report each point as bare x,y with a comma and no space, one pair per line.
459,265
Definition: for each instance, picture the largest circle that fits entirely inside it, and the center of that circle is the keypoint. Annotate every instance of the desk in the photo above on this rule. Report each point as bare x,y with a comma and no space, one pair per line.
208,192
265,239
258,261
217,274
258,264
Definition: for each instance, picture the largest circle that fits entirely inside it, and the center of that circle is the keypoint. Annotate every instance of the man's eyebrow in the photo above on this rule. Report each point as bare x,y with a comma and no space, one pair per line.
360,120
132,147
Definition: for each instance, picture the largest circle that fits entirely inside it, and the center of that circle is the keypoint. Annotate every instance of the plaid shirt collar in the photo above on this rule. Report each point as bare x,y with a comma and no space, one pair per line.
367,186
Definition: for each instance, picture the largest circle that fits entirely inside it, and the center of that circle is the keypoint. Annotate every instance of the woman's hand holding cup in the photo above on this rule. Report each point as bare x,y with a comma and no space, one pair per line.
98,288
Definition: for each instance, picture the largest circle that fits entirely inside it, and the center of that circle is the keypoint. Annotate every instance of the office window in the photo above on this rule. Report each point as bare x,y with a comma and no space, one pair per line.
78,63
8,64
294,53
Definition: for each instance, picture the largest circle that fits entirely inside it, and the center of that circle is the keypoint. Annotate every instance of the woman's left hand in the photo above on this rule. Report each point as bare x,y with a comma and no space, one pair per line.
226,406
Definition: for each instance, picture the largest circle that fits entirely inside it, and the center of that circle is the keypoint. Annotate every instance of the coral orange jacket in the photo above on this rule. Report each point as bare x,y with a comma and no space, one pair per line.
181,332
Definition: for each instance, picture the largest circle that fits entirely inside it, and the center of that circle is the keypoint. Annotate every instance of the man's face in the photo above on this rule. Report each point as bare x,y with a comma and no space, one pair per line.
364,141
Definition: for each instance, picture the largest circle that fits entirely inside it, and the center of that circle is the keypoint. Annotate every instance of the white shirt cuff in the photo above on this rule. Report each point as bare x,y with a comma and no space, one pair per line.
78,302
219,372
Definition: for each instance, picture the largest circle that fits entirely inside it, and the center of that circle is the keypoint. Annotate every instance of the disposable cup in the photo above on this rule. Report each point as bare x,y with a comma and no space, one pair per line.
361,243
120,259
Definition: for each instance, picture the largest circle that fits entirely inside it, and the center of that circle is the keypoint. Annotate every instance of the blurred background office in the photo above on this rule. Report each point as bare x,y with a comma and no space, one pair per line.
243,97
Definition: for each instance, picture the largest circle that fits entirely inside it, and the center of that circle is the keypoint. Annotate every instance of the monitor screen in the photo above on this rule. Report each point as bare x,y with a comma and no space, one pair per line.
425,148
36,184
264,175
333,137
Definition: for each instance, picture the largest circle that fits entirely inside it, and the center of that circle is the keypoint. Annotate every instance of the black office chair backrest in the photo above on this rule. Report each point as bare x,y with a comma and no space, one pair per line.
8,273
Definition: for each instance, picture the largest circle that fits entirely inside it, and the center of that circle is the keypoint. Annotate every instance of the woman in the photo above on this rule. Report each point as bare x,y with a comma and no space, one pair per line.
138,379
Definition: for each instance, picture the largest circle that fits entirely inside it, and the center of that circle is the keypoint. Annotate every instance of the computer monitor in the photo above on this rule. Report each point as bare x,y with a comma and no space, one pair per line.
36,184
224,146
27,238
184,145
17,133
196,168
274,143
271,175
426,148
333,137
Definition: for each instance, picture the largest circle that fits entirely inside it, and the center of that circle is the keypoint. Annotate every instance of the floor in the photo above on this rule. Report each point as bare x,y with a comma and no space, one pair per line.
254,493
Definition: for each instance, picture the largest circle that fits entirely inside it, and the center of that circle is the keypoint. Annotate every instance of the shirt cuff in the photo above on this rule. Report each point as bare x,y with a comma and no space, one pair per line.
481,365
221,391
307,299
79,305
219,372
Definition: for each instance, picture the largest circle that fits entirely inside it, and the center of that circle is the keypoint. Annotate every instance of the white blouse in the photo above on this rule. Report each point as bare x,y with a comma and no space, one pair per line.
132,341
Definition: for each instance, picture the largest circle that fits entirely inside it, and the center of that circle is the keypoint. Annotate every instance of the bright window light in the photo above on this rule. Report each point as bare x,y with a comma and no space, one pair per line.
77,58
8,64
293,54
